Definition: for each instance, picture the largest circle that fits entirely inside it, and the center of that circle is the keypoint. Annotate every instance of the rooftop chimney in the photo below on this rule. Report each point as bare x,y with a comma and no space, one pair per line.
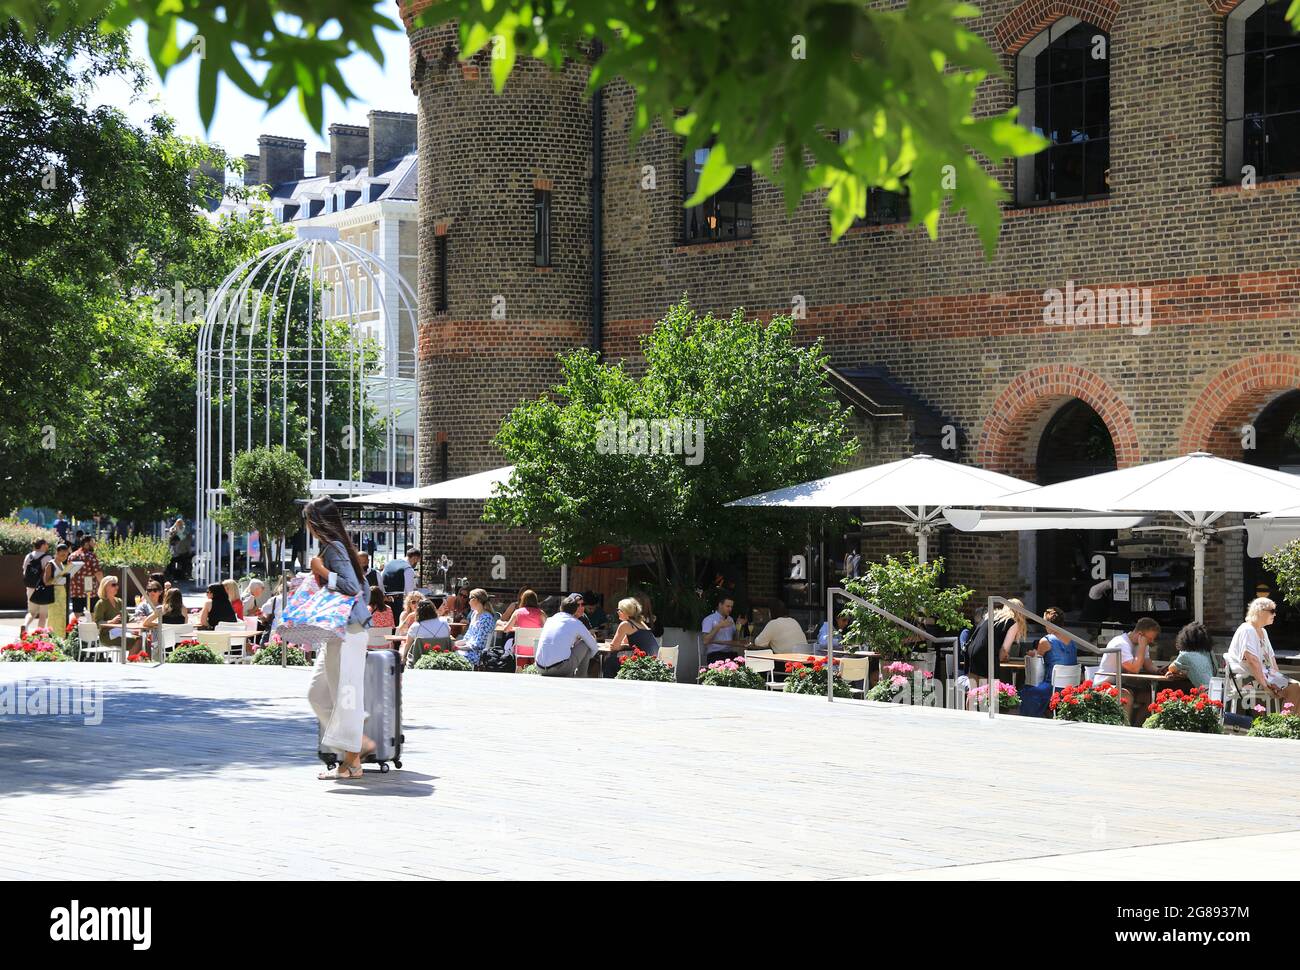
322,164
392,137
349,149
282,158
252,170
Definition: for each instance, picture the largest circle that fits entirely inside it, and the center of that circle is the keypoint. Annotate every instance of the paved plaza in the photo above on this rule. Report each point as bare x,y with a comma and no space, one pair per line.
207,772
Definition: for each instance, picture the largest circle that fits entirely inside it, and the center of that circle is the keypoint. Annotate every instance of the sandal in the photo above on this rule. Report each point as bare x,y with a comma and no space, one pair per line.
342,772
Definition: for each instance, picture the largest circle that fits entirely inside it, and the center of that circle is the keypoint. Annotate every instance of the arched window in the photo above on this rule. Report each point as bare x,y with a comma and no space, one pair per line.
1063,91
1261,94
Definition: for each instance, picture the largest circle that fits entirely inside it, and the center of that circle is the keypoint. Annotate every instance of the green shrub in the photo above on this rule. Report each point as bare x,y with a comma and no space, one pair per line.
641,666
269,654
1276,726
805,678
531,669
16,537
136,552
1194,712
443,660
909,589
193,652
732,673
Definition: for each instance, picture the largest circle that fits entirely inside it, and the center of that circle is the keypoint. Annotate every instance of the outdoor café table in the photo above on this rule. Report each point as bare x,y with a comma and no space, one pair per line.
133,627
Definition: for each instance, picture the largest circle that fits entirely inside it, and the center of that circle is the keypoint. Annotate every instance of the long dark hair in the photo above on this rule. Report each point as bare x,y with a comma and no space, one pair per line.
327,524
221,611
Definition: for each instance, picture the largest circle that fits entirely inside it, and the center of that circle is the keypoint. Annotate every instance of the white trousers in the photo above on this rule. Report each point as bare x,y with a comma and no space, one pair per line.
337,692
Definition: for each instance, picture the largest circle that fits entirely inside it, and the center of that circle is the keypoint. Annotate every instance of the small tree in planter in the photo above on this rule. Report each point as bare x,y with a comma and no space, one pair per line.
641,666
1173,710
263,492
901,683
810,678
1283,725
1089,704
731,673
910,590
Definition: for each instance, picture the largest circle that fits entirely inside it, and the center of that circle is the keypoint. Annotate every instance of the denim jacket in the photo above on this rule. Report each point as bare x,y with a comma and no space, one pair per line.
343,579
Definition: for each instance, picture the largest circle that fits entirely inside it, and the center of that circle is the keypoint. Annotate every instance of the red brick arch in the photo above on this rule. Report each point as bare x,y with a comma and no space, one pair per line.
1009,438
1223,7
1032,17
1233,398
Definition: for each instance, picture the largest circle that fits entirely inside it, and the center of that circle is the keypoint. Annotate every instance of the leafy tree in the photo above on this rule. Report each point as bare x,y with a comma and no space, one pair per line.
1284,563
263,492
586,472
911,591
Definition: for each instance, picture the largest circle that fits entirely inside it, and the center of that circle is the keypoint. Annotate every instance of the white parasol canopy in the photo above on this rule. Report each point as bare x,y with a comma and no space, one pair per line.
480,486
920,487
1198,488
1269,532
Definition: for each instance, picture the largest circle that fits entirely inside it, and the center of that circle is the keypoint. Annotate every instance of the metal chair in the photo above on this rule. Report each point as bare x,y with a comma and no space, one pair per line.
761,662
168,635
375,636
668,655
1247,695
525,645
89,644
216,641
854,670
235,651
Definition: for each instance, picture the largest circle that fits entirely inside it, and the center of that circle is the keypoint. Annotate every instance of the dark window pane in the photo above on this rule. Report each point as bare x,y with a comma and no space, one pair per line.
1042,72
1096,158
1284,80
1067,172
1069,52
1097,108
1067,113
1042,176
1257,30
1283,145
1256,66
1279,31
1253,145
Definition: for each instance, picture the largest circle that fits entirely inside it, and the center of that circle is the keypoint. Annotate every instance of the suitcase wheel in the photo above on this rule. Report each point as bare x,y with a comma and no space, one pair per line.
397,764
383,768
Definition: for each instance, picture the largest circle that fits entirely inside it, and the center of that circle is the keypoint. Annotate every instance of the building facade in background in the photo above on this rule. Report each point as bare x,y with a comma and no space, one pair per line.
1142,302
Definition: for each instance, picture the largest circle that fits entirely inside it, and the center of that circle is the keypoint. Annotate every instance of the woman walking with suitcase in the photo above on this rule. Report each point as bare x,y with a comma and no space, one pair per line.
337,686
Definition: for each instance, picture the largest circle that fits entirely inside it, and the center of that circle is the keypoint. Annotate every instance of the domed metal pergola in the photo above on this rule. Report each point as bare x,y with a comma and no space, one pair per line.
298,337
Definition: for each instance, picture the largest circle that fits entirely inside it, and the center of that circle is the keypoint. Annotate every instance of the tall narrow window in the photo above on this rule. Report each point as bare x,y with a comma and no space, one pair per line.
1063,91
1261,94
541,227
728,214
440,272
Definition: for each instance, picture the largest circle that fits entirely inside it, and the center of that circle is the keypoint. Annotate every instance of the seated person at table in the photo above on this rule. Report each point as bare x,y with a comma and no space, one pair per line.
566,645
842,621
428,626
381,614
149,610
632,633
782,633
173,608
1134,656
455,607
1055,652
1194,662
256,596
527,615
235,600
410,611
108,610
217,609
594,610
482,627
1251,653
719,631
1009,626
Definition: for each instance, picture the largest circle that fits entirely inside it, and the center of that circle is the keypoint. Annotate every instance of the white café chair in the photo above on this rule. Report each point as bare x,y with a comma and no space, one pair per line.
668,655
856,669
236,649
168,635
375,636
525,646
216,641
1246,695
761,662
89,645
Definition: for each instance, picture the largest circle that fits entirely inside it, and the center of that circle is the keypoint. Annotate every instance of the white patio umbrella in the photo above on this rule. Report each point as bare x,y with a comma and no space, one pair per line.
1269,532
480,486
920,487
1198,488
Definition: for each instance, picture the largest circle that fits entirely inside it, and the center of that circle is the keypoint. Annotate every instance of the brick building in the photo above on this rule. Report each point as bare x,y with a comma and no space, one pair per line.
1172,176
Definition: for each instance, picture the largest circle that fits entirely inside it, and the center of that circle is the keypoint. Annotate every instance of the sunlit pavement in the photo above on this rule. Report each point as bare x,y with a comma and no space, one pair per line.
209,772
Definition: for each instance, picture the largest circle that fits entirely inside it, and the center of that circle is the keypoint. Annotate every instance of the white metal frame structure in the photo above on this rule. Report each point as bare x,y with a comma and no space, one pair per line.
245,338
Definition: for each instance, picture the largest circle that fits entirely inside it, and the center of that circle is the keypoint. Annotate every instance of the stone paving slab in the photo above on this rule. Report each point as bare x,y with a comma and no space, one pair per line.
208,772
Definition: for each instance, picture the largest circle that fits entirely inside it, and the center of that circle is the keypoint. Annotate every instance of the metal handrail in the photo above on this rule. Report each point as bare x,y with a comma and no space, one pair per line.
1052,628
879,611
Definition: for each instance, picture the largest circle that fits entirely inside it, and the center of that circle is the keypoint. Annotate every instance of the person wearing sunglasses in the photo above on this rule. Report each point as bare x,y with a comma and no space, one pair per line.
1251,654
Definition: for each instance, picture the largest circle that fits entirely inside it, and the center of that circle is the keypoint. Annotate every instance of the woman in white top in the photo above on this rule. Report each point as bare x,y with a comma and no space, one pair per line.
1251,653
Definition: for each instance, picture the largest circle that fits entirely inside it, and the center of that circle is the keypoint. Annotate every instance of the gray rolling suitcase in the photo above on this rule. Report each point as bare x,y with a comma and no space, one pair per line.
383,703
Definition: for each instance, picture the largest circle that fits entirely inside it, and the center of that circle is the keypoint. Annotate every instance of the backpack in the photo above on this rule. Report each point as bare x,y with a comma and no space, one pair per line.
496,660
34,571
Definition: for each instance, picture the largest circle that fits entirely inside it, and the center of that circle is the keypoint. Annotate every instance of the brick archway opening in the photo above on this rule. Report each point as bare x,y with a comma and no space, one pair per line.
1011,434
1032,17
1221,419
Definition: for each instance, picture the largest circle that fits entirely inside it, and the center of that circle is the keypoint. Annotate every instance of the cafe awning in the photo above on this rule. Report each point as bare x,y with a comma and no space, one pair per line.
479,487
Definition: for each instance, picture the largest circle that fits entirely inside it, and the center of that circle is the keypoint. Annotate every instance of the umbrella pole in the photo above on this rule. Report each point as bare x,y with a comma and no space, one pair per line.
922,538
830,645
992,653
1198,574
